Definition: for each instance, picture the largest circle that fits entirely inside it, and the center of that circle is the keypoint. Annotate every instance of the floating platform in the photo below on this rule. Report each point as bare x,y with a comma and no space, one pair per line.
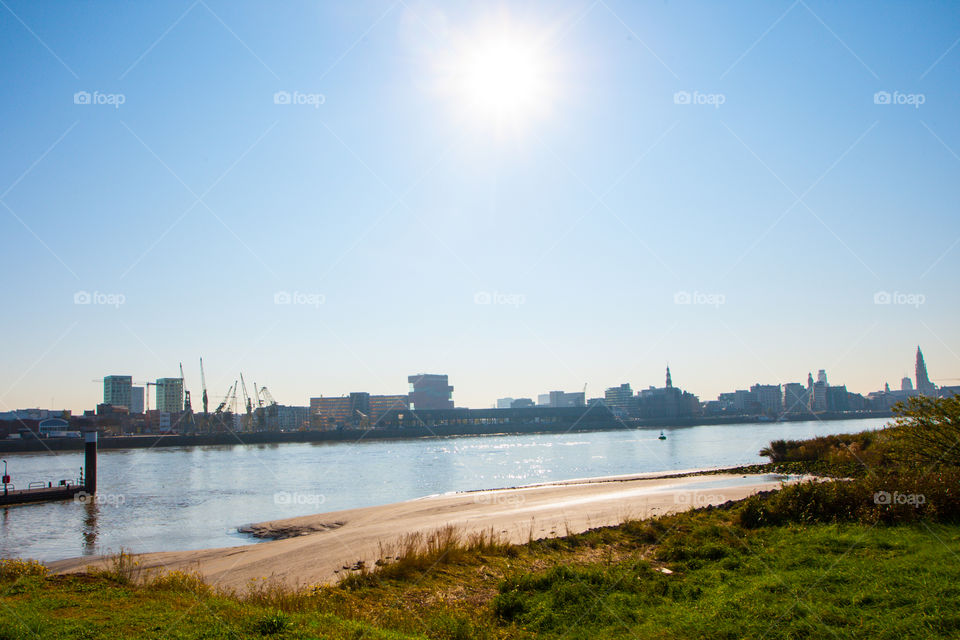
40,494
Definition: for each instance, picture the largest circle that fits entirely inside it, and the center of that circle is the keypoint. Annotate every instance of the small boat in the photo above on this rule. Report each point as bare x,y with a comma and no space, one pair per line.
662,437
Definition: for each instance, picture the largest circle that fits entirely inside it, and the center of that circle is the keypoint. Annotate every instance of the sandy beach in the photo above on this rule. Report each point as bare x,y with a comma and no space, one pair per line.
316,549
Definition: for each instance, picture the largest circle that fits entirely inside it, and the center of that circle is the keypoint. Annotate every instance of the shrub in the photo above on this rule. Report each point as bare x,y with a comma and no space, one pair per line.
13,568
927,432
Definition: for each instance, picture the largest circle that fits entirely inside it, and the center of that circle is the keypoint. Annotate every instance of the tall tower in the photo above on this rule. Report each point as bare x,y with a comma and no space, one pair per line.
924,386
809,381
669,380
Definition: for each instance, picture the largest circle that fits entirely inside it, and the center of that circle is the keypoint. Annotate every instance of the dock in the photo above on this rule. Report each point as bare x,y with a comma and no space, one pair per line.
41,494
63,490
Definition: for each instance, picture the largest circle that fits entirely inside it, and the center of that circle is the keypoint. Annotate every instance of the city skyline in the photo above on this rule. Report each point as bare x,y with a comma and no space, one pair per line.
738,191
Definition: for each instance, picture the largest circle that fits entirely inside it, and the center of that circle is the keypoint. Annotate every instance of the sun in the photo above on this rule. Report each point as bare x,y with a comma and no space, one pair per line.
504,77
500,74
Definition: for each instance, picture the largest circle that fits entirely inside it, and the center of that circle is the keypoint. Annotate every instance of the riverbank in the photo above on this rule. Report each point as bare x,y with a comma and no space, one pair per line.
318,549
150,441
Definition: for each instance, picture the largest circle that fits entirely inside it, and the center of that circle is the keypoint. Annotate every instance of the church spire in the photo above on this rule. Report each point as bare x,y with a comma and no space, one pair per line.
669,380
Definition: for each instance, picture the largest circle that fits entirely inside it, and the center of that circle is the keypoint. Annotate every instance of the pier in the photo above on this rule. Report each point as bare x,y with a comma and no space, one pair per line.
64,489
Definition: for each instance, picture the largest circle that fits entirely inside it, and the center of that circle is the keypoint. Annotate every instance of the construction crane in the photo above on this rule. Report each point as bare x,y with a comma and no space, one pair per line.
247,403
187,407
270,411
226,399
203,384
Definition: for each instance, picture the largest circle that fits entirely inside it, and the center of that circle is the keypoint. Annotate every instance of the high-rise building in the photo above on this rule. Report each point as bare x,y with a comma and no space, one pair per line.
822,376
116,390
620,399
430,391
769,397
924,386
795,399
906,384
170,395
136,400
504,403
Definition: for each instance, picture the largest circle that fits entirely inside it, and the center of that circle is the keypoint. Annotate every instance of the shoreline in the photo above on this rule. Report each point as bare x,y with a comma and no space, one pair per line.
149,441
321,548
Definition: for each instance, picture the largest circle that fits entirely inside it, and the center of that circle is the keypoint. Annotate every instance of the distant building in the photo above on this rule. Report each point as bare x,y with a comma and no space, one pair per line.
522,403
560,399
667,402
906,384
359,409
949,392
620,399
169,395
836,398
504,403
795,401
817,392
924,386
117,390
290,418
430,391
136,400
769,397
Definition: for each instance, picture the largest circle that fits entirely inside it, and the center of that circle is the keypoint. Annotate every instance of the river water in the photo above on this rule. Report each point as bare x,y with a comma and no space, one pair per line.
197,497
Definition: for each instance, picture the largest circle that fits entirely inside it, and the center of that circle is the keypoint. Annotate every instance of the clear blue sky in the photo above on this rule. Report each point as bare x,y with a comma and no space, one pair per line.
398,205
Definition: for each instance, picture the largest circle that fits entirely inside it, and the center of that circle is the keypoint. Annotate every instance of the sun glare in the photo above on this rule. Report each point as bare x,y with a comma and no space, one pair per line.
499,74
504,78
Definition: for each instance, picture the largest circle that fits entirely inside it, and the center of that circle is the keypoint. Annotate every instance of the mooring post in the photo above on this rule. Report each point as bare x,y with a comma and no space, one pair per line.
90,461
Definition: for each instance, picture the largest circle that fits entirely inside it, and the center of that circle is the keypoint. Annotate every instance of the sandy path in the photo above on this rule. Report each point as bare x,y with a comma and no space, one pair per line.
326,542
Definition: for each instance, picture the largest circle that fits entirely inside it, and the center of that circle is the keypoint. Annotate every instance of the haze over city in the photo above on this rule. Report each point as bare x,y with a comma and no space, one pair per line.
333,197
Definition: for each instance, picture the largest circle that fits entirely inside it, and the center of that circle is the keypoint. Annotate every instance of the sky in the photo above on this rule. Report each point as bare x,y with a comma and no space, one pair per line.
530,196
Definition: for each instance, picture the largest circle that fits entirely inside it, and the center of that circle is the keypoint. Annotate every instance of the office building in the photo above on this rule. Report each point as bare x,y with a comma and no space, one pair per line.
136,400
769,397
117,390
522,403
430,391
560,399
906,384
504,403
169,395
795,401
620,399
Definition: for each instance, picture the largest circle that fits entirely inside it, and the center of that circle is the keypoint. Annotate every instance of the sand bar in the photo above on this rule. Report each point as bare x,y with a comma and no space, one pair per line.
315,549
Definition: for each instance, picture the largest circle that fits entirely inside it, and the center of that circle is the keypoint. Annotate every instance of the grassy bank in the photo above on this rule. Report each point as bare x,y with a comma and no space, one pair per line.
872,554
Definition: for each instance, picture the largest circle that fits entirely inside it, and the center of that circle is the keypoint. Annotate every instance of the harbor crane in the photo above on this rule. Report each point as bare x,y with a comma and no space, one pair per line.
248,404
203,384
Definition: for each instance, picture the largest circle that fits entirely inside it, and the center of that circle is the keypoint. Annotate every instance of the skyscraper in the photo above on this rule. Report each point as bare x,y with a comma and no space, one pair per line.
116,390
924,386
170,395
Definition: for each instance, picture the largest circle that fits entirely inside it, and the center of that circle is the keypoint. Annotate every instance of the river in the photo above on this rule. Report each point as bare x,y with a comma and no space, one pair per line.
197,497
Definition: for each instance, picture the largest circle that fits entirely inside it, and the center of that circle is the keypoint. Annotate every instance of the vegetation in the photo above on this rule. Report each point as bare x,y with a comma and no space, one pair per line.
871,554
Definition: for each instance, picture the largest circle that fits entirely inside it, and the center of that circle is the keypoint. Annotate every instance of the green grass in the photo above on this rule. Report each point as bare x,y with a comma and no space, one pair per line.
846,580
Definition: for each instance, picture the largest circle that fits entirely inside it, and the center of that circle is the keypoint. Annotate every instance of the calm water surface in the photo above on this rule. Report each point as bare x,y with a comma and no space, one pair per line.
193,498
